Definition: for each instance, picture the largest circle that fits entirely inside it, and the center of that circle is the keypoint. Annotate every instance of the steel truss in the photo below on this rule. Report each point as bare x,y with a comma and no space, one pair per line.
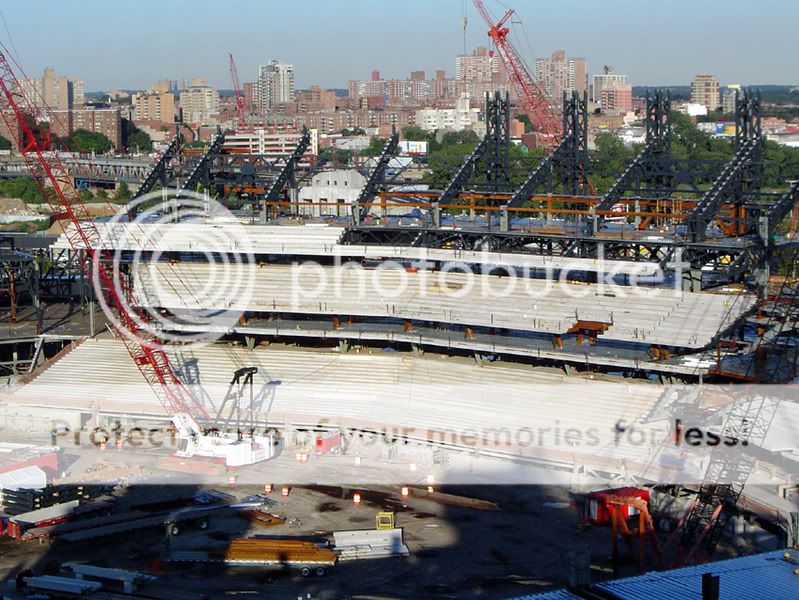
652,166
739,181
160,171
19,280
375,182
493,152
287,173
779,210
568,162
200,175
732,259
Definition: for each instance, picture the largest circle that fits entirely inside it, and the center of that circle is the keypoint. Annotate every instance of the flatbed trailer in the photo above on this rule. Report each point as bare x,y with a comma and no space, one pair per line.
173,521
306,556
71,512
90,528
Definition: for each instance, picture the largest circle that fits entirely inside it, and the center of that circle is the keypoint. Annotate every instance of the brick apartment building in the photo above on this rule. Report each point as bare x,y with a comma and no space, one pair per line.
107,121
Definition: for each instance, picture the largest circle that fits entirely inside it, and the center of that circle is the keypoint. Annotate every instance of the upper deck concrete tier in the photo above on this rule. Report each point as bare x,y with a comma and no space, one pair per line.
315,241
648,316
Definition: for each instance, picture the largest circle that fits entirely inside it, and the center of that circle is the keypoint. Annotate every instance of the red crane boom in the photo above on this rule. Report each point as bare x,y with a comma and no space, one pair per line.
234,76
21,117
534,100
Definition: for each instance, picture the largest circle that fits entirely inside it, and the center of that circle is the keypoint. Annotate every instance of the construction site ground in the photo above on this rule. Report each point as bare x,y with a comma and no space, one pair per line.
455,551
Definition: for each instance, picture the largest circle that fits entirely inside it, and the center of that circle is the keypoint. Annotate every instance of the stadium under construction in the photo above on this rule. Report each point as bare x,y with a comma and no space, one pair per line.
619,303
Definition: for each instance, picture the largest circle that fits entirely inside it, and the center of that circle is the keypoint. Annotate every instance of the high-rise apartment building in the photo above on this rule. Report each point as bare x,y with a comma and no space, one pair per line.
728,97
481,66
275,84
53,91
616,97
559,74
252,99
705,91
155,105
107,121
604,80
199,102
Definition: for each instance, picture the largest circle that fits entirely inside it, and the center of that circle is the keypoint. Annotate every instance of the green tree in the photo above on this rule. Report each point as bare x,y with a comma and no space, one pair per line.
123,192
528,127
88,141
375,147
136,139
23,188
416,134
4,143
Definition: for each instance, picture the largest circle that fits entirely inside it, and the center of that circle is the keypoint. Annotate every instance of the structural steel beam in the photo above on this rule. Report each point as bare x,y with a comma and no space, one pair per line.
158,174
464,173
377,175
569,159
739,181
493,150
652,164
496,159
200,173
782,208
733,260
286,175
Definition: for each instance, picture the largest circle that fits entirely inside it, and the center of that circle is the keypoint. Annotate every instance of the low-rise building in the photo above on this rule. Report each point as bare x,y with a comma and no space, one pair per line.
337,188
268,143
460,118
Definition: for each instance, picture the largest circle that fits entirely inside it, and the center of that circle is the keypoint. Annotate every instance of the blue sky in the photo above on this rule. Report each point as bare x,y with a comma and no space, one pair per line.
132,44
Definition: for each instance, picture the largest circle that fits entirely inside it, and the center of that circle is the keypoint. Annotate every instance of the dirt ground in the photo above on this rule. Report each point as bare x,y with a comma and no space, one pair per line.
454,551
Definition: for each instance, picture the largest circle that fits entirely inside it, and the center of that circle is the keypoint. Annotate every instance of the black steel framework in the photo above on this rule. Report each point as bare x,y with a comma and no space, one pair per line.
376,178
287,173
493,152
652,166
496,159
568,162
739,181
159,173
780,209
200,175
732,259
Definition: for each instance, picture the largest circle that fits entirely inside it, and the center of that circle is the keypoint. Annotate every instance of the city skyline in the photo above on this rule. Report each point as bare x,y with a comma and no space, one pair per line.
362,45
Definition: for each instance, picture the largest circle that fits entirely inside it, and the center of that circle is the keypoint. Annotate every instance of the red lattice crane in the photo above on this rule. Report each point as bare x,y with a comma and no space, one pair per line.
534,100
22,118
239,96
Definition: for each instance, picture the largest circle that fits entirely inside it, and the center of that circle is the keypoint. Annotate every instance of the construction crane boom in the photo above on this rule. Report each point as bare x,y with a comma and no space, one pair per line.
239,96
533,99
21,117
